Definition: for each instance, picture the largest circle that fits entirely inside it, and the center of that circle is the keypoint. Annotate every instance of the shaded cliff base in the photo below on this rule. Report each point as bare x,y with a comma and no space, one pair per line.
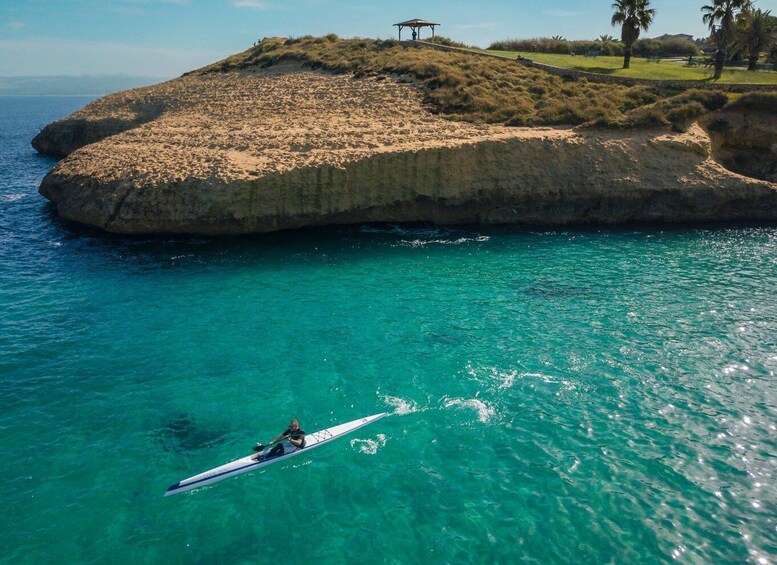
744,136
414,234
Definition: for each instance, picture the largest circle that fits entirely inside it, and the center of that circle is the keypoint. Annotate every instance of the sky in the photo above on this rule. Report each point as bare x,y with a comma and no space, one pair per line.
165,38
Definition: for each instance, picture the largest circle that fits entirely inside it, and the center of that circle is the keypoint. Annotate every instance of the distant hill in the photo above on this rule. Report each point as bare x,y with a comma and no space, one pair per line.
72,85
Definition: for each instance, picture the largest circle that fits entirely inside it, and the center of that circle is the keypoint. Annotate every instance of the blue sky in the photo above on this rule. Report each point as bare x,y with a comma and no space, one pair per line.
164,38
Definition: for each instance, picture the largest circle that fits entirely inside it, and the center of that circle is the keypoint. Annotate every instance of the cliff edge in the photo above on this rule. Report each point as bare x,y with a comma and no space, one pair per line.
264,148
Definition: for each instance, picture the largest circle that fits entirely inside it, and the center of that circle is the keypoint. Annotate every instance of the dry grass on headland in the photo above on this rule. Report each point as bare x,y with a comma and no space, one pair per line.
484,89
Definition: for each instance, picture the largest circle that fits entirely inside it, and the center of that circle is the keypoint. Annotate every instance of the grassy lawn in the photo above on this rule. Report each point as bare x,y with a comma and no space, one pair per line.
640,68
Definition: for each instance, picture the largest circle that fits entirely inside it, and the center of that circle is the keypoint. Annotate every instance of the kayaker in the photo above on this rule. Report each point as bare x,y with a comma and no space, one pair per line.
292,439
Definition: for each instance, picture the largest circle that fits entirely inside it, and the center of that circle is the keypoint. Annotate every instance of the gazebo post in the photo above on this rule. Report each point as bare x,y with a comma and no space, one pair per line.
415,26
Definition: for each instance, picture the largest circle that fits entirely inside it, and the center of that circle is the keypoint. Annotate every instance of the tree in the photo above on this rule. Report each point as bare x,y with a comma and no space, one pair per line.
756,33
605,38
721,17
633,16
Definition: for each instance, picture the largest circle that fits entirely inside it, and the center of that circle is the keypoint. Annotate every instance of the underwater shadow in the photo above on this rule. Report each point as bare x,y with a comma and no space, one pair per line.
181,434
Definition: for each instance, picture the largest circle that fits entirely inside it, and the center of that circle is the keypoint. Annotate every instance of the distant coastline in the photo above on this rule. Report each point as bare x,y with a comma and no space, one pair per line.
65,85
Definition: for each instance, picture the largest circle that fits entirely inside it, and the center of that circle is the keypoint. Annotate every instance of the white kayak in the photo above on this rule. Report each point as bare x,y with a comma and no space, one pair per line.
249,463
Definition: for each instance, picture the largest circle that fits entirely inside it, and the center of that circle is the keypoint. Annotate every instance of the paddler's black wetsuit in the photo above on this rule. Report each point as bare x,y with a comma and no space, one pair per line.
298,434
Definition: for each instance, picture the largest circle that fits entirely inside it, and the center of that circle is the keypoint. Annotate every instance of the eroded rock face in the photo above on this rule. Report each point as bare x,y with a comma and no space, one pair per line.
255,152
745,141
101,119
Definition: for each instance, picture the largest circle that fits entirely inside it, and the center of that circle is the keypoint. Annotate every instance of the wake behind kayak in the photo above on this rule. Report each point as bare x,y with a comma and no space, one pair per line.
249,463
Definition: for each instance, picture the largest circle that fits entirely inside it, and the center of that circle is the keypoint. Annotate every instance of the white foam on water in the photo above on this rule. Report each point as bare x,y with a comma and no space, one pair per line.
401,406
565,384
12,197
736,367
458,241
503,379
484,411
369,446
421,237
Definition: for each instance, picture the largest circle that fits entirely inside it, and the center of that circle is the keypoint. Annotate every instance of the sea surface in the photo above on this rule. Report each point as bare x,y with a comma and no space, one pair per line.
554,396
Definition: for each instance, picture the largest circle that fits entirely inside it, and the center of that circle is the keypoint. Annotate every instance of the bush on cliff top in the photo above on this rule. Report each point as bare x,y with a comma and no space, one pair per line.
664,47
483,89
762,101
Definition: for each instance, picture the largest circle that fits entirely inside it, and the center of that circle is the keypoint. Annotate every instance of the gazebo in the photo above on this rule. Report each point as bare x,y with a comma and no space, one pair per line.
416,26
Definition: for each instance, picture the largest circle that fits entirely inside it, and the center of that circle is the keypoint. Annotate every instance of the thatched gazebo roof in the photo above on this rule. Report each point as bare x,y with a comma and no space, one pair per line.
416,25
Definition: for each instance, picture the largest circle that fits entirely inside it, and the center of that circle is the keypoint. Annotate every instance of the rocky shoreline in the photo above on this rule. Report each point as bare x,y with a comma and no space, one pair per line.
263,150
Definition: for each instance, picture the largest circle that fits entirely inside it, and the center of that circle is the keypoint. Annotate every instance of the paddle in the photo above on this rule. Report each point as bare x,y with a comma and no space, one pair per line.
260,447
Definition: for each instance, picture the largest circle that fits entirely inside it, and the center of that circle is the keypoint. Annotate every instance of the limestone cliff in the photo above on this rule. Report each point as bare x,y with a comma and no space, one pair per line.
102,118
744,140
257,151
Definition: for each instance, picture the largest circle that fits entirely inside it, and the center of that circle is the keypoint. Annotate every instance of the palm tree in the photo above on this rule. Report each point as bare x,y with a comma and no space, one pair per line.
757,33
633,16
721,17
605,38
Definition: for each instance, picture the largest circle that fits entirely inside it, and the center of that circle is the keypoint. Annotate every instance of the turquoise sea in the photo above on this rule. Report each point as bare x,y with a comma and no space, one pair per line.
554,396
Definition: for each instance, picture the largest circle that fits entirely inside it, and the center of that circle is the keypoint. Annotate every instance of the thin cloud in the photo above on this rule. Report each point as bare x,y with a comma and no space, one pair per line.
139,7
252,4
482,25
16,26
563,14
178,2
129,11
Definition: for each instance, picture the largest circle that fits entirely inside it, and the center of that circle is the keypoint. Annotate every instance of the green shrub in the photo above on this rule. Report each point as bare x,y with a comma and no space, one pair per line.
442,40
677,47
638,96
646,48
537,45
387,44
559,46
668,47
682,116
678,111
650,117
710,99
611,49
761,101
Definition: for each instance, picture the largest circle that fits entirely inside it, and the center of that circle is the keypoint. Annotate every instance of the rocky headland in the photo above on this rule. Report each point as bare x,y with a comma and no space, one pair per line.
257,148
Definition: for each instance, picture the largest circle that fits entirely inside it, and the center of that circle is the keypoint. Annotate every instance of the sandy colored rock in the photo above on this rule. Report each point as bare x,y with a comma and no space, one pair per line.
745,141
229,153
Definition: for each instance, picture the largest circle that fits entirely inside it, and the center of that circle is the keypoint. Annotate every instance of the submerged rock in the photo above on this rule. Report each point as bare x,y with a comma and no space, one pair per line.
259,151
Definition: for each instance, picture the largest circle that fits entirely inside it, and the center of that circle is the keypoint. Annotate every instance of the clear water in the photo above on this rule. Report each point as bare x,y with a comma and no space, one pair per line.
554,396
